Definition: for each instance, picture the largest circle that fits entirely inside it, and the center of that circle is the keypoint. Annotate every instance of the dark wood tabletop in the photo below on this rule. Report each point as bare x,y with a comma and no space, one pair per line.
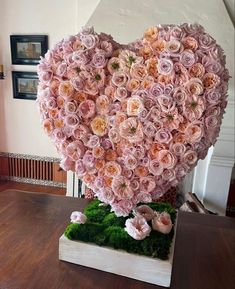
31,224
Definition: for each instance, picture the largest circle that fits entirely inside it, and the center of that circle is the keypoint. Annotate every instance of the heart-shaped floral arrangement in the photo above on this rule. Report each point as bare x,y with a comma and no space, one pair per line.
133,120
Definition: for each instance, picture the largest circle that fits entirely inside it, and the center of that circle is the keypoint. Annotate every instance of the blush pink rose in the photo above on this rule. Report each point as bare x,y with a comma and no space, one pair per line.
78,217
162,223
137,228
121,188
145,211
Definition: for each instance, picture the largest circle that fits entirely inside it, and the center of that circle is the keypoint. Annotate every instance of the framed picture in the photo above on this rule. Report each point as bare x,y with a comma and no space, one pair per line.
25,85
27,49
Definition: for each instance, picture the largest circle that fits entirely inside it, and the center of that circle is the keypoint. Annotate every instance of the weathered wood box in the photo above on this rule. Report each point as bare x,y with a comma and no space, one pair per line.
119,262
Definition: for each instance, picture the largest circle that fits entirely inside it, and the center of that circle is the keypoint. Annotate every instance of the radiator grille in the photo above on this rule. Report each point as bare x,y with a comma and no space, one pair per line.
31,169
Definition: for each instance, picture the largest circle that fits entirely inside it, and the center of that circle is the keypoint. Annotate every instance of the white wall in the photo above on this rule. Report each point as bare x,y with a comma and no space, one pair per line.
20,129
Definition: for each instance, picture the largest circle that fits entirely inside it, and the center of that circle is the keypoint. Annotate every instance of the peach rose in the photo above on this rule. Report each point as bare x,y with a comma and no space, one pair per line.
146,52
48,126
138,71
197,70
66,89
166,159
211,80
190,43
134,106
112,169
98,152
110,155
159,46
99,126
133,84
151,34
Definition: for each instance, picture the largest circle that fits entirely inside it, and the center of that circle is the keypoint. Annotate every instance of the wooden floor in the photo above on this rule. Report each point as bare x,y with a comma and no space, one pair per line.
5,185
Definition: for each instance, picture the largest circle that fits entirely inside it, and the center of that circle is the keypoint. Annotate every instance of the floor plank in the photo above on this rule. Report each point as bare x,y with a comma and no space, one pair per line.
5,185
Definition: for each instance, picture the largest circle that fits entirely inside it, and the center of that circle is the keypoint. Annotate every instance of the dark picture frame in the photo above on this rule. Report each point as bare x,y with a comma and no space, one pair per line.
24,85
27,49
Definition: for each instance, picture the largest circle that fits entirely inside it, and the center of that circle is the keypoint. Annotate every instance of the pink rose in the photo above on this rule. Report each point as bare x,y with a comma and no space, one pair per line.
193,133
178,149
168,175
162,223
211,122
67,164
173,46
130,162
107,47
131,129
121,93
163,136
78,217
156,90
180,94
194,86
122,208
87,108
80,58
137,228
166,103
80,168
181,74
78,83
99,59
147,184
213,96
62,69
190,157
165,66
70,107
106,195
75,150
72,120
187,58
166,159
89,40
119,78
155,167
121,188
145,211
205,41
144,198
149,129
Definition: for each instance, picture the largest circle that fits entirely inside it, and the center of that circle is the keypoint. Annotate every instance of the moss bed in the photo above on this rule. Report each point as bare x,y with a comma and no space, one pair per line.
104,228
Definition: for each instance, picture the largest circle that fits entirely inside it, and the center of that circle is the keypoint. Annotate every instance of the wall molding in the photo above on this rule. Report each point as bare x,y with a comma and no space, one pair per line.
222,161
29,157
33,181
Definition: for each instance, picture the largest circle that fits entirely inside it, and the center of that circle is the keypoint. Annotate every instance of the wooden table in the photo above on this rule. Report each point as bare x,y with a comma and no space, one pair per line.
31,224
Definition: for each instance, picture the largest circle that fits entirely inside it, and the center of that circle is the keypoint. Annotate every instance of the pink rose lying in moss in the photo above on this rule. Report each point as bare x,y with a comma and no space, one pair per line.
78,217
146,212
137,228
162,223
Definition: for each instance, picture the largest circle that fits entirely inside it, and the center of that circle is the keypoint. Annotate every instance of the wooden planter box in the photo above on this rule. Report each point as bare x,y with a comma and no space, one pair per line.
119,262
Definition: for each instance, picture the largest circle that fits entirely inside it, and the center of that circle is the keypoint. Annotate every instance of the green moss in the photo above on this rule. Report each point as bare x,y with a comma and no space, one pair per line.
71,231
106,229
